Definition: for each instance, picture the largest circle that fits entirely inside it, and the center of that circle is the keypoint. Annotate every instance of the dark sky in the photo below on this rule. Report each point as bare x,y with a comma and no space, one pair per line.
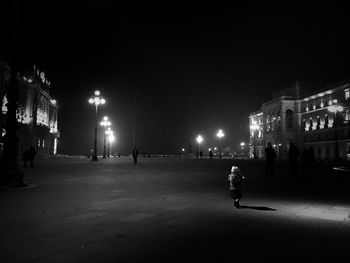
193,67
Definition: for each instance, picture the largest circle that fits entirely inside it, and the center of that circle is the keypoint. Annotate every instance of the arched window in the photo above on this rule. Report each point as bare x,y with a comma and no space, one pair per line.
311,124
326,120
289,119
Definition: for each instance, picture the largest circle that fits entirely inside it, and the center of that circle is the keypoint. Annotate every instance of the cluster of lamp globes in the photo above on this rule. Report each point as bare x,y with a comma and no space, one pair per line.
108,132
200,138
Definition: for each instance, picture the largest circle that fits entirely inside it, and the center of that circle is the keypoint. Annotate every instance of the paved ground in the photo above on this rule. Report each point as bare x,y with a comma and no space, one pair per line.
167,210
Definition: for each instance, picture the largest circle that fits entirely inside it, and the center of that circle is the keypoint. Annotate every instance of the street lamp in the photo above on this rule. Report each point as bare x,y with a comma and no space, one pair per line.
254,128
335,109
108,133
111,139
242,145
105,123
199,141
220,134
97,100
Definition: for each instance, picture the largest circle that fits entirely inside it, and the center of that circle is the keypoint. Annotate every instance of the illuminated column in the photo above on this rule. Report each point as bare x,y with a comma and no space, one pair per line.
254,128
335,109
97,100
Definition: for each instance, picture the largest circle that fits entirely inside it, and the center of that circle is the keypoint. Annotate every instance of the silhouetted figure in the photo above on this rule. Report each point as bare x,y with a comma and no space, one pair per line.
25,158
32,153
235,178
197,154
210,154
135,153
200,154
118,155
293,154
270,155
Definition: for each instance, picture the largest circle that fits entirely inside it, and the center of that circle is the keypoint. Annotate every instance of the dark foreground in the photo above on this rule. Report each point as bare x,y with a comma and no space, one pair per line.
171,210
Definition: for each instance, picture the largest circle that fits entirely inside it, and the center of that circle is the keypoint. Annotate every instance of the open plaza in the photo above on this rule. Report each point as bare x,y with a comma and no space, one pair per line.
171,209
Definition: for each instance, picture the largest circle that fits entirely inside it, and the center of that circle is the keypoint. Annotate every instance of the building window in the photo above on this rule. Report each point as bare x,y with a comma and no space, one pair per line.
318,123
38,143
330,102
307,108
321,104
347,94
347,115
43,143
314,107
326,120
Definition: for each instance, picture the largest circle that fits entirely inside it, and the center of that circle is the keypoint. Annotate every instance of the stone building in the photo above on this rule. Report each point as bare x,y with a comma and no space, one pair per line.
37,112
305,120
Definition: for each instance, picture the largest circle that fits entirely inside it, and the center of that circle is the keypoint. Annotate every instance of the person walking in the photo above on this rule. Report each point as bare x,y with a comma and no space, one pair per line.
270,155
135,153
32,153
293,154
210,154
235,178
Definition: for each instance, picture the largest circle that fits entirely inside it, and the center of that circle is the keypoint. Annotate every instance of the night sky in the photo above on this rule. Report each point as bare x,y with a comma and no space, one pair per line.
182,68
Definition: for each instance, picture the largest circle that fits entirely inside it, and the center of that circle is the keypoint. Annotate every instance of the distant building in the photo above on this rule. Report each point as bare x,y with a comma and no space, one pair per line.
304,120
37,112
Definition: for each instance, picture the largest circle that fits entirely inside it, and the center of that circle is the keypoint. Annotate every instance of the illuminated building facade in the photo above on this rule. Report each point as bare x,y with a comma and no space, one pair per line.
37,112
306,121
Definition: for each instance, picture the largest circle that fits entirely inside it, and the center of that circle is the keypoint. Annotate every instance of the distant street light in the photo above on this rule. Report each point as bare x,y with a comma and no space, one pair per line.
199,141
335,109
97,100
220,134
105,123
111,139
242,145
254,127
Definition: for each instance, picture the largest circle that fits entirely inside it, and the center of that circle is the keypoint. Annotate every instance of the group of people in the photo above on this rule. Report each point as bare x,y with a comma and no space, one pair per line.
308,157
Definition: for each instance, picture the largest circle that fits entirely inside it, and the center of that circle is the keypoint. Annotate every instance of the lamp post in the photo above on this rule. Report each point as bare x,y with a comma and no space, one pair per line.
199,140
254,128
97,100
105,123
111,139
220,134
335,109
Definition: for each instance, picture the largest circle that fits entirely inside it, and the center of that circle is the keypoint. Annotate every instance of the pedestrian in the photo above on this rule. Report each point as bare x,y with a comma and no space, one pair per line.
200,154
32,153
270,155
135,153
210,154
293,154
25,158
236,178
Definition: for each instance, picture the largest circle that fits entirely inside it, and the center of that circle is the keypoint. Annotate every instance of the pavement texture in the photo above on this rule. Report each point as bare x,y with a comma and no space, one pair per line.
172,210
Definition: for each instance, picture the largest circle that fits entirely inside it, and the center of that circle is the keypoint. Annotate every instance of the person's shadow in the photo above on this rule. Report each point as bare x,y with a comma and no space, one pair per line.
261,208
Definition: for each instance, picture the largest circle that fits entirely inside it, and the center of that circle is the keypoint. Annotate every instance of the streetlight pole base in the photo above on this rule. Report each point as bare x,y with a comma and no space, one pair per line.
94,157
